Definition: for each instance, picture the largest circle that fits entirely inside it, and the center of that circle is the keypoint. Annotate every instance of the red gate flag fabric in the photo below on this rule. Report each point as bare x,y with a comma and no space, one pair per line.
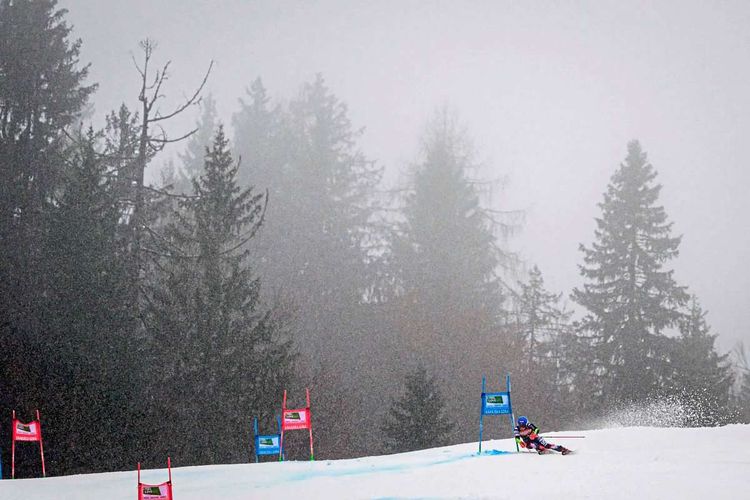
162,491
294,419
155,492
26,432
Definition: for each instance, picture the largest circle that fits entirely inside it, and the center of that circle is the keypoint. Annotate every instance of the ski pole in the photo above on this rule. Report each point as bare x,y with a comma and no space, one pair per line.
564,437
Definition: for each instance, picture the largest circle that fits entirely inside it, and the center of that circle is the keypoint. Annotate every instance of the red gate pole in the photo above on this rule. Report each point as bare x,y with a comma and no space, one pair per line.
139,481
169,484
309,424
281,438
41,446
13,449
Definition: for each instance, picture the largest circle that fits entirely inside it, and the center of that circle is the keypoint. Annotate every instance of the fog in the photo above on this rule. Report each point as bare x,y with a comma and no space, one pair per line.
382,204
550,92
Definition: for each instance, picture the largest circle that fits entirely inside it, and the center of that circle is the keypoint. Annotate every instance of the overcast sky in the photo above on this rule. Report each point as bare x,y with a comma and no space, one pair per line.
551,92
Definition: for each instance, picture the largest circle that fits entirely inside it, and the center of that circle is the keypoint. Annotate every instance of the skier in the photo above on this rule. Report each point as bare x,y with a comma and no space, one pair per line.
527,436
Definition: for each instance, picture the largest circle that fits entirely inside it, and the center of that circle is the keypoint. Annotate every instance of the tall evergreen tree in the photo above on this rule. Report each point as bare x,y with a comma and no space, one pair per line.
417,420
445,258
222,356
89,374
121,136
260,140
543,326
193,156
42,93
321,189
702,378
630,295
542,319
313,249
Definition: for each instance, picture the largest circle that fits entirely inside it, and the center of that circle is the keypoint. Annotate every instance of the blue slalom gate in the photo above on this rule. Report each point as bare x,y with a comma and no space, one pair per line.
267,444
495,403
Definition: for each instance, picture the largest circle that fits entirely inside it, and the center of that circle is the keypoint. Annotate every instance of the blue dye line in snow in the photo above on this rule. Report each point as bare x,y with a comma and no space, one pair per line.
301,476
498,452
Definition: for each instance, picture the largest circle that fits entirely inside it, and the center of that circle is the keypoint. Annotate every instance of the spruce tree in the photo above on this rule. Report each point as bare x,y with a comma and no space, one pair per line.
224,358
443,251
417,420
630,295
193,156
543,325
702,378
312,252
90,376
542,319
43,91
260,140
321,187
445,260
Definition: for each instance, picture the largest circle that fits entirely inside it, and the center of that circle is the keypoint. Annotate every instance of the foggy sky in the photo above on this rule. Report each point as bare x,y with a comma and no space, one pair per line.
551,92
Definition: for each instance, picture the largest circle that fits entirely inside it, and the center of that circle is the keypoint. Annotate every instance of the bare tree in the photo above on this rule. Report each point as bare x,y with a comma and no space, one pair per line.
152,138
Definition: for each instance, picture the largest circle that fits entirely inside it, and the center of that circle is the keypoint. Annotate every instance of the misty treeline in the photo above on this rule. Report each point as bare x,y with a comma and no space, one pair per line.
153,320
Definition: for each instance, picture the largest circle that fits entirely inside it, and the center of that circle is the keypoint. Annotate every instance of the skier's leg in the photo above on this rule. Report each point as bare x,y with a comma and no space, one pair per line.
538,444
549,446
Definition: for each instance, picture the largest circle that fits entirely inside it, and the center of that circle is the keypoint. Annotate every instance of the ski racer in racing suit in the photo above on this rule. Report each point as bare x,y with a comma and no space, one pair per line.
527,436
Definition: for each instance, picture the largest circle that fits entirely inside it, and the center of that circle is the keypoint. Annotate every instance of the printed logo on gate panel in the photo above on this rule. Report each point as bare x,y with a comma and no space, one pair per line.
495,403
26,432
295,419
154,492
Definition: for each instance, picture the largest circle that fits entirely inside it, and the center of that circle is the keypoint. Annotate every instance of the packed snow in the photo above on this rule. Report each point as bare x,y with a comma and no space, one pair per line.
617,463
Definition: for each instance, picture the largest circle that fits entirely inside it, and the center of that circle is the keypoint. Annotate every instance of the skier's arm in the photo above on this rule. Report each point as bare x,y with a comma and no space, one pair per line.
517,434
534,432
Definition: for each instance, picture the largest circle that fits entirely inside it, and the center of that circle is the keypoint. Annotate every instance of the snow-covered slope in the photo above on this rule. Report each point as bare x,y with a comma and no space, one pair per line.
622,463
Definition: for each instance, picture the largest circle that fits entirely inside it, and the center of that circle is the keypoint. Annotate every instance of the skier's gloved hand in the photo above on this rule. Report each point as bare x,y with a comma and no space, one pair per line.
533,435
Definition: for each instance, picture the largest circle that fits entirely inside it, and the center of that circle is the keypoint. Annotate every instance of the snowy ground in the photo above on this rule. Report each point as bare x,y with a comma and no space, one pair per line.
622,463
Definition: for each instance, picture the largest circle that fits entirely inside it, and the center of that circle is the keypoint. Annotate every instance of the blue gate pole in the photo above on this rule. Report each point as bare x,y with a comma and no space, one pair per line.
481,416
255,441
510,407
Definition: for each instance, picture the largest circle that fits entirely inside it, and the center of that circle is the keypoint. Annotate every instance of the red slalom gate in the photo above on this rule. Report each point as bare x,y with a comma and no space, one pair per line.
26,432
162,491
293,419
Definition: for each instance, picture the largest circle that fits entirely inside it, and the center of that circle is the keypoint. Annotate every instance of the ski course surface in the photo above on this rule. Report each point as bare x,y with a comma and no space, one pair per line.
619,463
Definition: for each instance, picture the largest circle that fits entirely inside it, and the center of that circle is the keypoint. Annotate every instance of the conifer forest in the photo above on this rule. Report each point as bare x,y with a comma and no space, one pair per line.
161,286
